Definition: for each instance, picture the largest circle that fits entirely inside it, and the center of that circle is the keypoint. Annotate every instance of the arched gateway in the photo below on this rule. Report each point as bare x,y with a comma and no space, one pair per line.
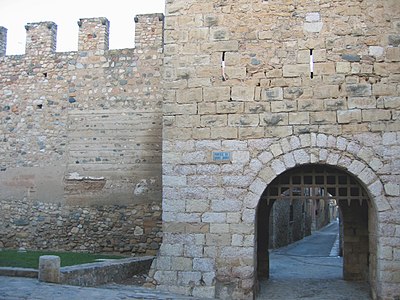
316,182
215,230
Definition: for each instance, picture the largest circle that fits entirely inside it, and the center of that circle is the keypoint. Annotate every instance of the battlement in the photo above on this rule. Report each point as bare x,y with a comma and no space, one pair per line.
3,40
41,37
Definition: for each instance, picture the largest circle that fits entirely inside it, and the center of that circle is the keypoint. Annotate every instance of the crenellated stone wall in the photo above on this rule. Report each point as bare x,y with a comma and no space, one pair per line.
81,131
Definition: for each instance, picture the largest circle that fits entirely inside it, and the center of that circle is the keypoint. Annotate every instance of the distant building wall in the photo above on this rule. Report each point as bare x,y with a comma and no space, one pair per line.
81,140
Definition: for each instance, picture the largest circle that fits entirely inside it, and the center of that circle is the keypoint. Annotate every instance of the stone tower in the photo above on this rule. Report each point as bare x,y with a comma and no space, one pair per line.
254,90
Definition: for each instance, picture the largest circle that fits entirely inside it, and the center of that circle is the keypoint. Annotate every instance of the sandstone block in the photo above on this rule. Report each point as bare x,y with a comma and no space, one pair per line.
296,70
243,120
273,119
359,90
166,277
214,120
230,107
391,102
324,117
324,68
372,115
343,67
349,116
181,263
251,132
207,108
327,91
376,51
383,89
224,133
212,217
272,94
283,106
393,54
203,264
392,189
236,72
242,93
216,93
299,118
361,102
189,278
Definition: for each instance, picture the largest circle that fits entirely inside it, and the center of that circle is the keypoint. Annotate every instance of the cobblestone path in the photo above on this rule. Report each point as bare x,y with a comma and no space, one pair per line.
310,269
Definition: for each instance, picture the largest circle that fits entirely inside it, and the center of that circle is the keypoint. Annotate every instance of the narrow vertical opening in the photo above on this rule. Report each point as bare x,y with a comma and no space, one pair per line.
311,64
223,66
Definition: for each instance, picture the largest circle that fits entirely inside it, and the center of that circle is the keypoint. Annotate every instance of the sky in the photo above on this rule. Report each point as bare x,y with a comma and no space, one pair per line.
15,14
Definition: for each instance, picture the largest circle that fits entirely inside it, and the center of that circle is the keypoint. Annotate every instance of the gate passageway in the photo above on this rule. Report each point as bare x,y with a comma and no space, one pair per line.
311,269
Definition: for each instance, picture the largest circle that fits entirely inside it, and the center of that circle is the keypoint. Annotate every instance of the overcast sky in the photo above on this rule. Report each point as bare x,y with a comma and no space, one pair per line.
15,14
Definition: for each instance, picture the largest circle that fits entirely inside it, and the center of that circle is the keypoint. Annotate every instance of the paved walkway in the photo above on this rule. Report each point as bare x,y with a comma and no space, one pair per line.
310,269
17,288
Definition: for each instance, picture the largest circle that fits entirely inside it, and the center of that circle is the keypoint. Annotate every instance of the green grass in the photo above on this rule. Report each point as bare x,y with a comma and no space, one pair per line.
30,259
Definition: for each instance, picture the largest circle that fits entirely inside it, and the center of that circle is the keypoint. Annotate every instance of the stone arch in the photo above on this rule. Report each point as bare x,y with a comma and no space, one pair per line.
357,160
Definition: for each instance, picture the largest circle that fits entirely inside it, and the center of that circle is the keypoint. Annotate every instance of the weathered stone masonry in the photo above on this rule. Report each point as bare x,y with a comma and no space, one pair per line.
276,85
264,107
81,141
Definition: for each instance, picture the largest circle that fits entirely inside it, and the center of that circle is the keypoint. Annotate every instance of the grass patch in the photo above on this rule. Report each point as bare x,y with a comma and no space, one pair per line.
30,259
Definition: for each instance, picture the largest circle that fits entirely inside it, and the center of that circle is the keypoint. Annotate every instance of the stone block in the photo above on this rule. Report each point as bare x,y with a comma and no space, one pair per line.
205,108
207,292
343,67
216,94
213,217
391,102
181,263
296,70
283,106
236,72
299,118
372,115
323,117
348,116
313,27
243,120
324,68
335,104
224,133
242,93
204,264
273,119
272,94
392,189
166,277
326,91
393,54
49,268
230,107
376,51
293,92
359,90
383,89
214,120
362,102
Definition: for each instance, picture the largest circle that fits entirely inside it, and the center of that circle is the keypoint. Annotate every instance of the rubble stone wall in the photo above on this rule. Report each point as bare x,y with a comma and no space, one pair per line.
80,137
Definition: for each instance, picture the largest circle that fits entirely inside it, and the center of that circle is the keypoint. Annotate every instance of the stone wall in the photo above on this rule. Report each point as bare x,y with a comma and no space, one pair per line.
81,140
124,229
240,80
